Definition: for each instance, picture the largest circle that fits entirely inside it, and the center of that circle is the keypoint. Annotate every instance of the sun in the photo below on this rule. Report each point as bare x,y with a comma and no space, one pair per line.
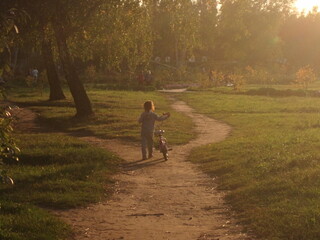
307,5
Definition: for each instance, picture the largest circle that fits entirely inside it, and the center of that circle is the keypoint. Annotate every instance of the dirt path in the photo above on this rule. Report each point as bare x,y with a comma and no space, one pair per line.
160,200
157,200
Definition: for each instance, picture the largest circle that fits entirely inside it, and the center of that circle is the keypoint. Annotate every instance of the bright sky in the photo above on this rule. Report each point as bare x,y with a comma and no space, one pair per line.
307,5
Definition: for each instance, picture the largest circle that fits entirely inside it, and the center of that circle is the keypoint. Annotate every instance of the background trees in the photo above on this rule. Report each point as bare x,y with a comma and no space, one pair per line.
301,36
178,31
249,30
117,37
126,37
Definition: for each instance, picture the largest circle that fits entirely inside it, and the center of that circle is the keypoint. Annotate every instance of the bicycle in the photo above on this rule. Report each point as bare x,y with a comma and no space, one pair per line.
163,144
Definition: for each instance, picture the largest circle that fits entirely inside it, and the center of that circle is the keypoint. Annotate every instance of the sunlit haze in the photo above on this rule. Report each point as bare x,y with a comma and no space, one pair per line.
307,5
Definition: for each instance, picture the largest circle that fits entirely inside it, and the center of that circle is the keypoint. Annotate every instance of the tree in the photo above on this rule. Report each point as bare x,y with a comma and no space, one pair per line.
249,30
208,26
8,30
301,36
177,29
56,92
37,35
117,37
65,17
61,25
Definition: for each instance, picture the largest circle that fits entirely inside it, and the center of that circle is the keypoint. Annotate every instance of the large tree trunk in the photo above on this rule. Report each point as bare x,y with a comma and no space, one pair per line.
56,92
81,100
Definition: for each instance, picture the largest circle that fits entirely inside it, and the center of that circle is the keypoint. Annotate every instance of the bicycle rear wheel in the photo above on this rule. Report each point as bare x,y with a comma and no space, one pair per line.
165,153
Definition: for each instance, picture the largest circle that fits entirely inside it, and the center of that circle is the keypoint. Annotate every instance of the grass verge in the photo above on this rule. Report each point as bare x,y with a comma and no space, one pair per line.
116,114
270,165
55,172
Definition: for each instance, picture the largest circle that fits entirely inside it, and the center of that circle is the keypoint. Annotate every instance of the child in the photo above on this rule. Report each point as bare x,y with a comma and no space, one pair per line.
147,119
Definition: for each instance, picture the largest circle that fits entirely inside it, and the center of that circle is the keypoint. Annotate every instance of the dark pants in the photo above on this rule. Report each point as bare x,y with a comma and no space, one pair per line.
146,143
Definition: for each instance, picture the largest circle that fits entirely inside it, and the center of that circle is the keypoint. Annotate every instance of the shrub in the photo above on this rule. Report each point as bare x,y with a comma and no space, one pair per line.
218,78
203,80
305,76
8,148
237,81
258,75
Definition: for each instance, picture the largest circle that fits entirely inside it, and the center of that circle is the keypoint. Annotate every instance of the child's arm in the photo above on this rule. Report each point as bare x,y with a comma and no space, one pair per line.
141,118
163,117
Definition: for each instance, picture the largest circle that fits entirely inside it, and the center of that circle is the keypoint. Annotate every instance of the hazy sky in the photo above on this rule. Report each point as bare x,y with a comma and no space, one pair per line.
307,5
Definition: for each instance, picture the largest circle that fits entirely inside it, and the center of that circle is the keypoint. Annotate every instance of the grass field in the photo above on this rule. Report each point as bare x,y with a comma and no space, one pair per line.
270,165
116,114
61,172
54,172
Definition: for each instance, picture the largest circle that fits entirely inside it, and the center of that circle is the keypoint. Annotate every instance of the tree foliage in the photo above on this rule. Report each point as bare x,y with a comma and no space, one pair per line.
249,30
127,36
301,36
117,37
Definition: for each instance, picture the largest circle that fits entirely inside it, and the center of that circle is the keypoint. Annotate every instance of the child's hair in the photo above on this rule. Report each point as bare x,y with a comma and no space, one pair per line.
148,106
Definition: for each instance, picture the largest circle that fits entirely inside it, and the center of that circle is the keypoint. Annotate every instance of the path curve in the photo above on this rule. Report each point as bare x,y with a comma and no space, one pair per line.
157,200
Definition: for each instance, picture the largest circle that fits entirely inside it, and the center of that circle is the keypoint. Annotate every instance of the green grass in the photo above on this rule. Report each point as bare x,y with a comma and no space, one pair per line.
116,114
60,172
270,165
54,172
23,221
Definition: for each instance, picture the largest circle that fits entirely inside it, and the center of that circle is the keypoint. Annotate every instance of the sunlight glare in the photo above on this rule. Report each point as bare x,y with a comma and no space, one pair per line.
307,5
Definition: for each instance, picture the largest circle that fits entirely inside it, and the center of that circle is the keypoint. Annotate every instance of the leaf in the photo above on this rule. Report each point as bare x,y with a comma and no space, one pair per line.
7,68
8,114
8,180
16,28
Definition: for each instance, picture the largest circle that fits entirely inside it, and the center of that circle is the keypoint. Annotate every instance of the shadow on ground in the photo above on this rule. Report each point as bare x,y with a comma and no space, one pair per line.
132,166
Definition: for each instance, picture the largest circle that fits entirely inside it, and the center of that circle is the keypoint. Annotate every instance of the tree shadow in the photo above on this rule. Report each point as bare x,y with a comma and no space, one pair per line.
272,92
59,103
132,166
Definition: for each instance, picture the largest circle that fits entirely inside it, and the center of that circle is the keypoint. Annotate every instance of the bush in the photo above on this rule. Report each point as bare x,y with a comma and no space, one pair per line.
237,81
258,75
305,76
218,78
8,148
204,80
